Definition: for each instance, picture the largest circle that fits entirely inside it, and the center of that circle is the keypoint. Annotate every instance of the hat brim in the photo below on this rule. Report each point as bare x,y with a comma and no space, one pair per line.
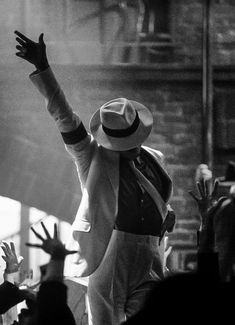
127,142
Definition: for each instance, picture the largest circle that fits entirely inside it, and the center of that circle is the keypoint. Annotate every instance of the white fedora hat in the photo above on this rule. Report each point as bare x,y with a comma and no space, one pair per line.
121,124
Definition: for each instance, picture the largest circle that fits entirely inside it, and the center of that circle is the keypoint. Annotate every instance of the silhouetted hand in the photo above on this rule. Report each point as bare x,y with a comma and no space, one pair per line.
206,199
207,205
52,246
13,262
203,172
31,51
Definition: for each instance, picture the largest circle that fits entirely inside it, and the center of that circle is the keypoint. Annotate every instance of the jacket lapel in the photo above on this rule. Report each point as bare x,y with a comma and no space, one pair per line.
166,178
110,161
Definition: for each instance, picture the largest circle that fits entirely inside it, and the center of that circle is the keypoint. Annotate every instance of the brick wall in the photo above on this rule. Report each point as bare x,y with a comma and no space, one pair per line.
187,31
68,42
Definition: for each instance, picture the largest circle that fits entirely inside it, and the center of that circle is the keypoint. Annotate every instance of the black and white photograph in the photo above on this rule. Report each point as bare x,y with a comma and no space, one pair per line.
117,162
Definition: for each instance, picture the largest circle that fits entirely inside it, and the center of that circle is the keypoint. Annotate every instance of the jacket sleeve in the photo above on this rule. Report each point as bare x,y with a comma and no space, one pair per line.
78,142
57,105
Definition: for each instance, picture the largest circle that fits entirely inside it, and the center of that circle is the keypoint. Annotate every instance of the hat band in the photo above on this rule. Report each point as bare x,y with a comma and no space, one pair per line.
117,133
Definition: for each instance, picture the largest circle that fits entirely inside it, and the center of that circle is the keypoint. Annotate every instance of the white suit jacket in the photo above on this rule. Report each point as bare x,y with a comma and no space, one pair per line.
98,171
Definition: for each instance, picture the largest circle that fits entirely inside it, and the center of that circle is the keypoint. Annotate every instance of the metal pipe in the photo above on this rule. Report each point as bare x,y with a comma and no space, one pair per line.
207,87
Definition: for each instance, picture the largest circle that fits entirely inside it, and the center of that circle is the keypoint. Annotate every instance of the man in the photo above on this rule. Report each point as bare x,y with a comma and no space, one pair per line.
123,213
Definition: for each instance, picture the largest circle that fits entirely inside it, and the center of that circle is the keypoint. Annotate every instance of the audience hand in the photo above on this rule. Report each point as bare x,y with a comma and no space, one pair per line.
205,200
52,246
13,263
203,172
31,51
207,205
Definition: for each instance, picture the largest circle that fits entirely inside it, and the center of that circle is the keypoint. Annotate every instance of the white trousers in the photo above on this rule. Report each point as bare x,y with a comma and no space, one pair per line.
119,287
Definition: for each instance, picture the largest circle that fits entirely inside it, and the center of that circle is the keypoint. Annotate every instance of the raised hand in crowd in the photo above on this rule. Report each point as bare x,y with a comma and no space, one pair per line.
13,262
208,204
10,294
49,310
203,172
205,199
51,245
33,52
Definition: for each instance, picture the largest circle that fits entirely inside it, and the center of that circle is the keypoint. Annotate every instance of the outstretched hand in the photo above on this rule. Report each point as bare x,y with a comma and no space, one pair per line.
52,246
31,51
206,198
13,262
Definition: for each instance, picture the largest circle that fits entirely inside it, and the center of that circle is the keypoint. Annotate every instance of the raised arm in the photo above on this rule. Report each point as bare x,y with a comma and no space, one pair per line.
45,81
69,124
208,205
10,295
54,247
51,310
13,262
206,201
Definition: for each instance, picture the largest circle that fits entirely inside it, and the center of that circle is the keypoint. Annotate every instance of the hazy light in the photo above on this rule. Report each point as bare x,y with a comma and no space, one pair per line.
10,214
9,217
